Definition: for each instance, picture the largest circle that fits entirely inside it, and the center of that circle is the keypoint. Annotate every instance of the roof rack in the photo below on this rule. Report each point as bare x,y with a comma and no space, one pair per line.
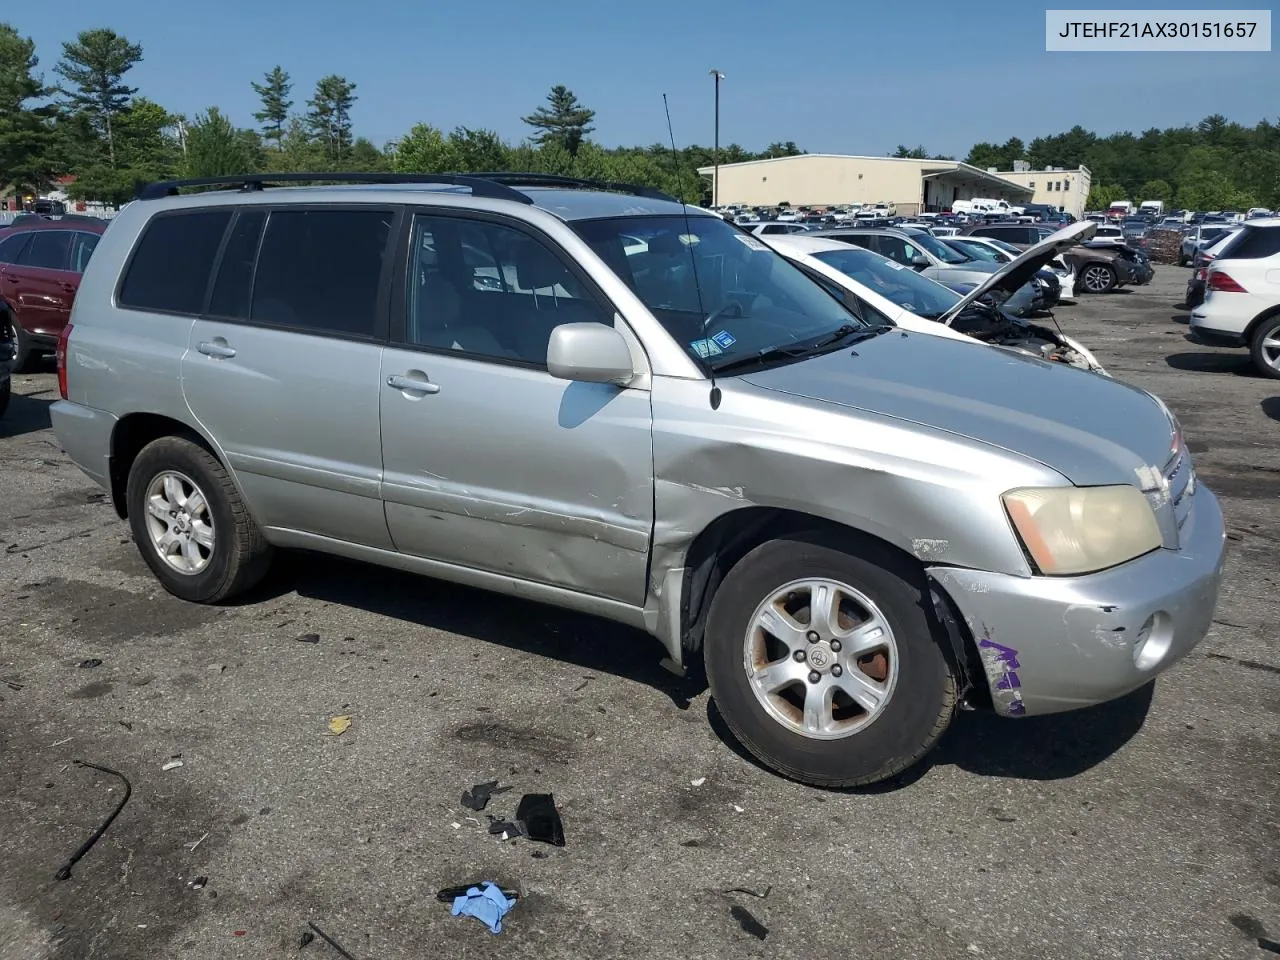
574,183
483,185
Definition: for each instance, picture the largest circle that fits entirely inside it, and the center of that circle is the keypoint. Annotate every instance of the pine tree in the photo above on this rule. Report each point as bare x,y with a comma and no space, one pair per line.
565,122
329,119
96,64
274,92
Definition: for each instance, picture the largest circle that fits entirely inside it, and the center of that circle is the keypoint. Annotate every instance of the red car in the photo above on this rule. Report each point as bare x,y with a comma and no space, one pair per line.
40,268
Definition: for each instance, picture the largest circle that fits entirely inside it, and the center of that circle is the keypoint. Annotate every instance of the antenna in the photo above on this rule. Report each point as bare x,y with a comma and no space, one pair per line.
693,259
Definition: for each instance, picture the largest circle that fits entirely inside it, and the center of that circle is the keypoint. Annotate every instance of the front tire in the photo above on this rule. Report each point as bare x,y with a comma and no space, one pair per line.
1264,348
23,350
189,523
873,690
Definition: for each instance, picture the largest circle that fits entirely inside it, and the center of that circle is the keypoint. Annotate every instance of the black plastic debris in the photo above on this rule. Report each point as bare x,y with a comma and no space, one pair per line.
537,812
64,872
505,828
199,883
307,937
90,663
748,923
478,797
330,941
309,638
751,893
449,894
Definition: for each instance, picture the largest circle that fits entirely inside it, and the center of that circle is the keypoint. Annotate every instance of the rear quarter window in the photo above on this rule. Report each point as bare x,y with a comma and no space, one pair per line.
170,267
1252,243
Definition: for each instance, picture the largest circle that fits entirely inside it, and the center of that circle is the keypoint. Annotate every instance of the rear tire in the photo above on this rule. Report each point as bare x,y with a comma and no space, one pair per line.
1266,356
848,745
1098,278
190,525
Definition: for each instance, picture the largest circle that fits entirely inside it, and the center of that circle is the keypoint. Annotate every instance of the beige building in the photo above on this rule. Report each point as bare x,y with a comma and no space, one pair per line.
1065,189
826,179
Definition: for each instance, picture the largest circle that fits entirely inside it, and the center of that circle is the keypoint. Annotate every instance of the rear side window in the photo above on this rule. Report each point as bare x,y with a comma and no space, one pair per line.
320,270
234,286
11,247
82,248
1253,243
49,250
171,265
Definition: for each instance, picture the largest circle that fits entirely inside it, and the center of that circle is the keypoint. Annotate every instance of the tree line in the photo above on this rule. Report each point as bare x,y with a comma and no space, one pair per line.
93,124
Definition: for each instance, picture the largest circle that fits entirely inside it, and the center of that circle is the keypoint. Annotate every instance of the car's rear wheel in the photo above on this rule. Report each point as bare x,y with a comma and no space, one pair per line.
192,528
823,661
1265,347
1098,278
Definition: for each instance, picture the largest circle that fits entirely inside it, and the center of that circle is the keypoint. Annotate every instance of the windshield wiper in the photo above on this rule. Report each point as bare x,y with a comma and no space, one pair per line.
842,335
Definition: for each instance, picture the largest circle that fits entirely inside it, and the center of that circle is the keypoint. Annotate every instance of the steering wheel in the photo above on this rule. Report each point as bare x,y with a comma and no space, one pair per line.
731,310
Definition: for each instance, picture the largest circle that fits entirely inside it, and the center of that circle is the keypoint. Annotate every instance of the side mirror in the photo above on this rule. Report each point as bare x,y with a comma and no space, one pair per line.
919,262
590,353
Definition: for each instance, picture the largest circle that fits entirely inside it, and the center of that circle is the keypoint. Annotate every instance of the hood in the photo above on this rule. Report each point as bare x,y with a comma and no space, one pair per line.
1012,275
1090,429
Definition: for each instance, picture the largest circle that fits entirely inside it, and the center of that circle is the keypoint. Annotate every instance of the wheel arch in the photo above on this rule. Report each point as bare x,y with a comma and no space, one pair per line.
727,539
132,433
1259,320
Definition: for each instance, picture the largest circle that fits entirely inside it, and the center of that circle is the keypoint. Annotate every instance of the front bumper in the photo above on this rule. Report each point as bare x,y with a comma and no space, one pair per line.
1050,644
85,434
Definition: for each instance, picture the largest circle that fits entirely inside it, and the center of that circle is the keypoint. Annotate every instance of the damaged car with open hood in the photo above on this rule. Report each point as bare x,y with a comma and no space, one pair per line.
884,291
594,396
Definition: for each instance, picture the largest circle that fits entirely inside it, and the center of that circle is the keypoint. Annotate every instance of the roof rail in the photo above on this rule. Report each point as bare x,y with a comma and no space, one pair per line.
574,183
480,185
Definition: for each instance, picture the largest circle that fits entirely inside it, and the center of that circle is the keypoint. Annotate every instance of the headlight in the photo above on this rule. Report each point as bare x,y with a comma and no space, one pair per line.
1073,530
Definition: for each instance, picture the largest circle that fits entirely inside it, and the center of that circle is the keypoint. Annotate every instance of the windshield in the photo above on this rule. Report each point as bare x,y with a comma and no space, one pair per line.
722,293
939,249
896,283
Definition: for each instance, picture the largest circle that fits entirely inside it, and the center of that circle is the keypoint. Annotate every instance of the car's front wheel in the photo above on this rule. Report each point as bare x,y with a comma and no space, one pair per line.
824,663
1265,347
1098,278
192,528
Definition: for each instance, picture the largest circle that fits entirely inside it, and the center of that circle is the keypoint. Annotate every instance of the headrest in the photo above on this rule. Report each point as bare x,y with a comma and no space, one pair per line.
537,268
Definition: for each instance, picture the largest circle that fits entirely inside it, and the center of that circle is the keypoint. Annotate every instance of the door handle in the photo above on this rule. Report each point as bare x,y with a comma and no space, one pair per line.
413,384
212,348
69,288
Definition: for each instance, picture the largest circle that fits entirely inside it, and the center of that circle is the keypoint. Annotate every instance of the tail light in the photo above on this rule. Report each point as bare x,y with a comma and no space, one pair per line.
1222,283
64,338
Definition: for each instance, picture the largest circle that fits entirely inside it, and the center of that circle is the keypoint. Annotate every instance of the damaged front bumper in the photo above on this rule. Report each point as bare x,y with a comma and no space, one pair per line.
1050,644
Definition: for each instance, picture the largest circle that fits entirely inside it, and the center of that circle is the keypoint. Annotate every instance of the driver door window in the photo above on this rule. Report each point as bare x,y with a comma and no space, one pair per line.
490,291
895,248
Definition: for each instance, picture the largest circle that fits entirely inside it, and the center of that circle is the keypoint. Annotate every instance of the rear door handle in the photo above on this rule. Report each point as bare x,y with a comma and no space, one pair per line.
213,348
413,384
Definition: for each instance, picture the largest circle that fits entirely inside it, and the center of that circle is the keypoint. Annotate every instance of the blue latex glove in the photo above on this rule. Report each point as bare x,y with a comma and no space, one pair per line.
487,905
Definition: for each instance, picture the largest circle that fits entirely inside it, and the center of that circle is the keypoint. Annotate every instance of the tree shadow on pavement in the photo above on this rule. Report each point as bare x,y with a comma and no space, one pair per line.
1052,747
1271,407
591,643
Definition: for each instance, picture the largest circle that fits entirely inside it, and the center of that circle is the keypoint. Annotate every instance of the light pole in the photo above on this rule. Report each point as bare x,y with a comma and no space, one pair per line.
715,181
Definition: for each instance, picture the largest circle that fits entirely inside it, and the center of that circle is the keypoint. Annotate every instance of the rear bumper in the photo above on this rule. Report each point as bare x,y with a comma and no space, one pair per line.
85,435
1051,644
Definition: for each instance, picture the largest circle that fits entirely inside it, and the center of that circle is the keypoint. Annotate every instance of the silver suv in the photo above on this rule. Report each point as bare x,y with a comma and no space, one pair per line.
597,397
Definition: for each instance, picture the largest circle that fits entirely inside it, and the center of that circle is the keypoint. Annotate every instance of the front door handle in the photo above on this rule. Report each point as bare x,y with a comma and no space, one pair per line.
216,348
418,384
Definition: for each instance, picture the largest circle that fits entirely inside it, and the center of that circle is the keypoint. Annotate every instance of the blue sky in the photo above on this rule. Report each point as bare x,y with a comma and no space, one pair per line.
838,76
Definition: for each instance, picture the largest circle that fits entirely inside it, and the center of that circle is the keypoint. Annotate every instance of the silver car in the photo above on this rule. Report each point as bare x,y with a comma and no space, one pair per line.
608,401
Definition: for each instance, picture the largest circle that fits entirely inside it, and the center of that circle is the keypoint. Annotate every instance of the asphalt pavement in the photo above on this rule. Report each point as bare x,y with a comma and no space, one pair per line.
1149,827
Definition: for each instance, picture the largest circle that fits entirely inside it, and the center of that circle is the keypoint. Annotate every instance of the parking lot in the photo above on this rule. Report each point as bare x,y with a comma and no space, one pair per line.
1149,827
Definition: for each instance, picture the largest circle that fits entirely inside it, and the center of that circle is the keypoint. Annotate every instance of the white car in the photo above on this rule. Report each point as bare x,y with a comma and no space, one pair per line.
1241,305
885,291
779,227
1000,252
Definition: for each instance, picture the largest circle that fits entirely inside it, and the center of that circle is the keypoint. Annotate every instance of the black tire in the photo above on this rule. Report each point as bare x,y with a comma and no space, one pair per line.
917,712
23,350
241,555
1267,329
6,391
1106,274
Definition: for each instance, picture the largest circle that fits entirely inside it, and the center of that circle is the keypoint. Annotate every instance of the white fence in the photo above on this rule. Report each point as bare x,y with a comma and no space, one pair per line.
105,213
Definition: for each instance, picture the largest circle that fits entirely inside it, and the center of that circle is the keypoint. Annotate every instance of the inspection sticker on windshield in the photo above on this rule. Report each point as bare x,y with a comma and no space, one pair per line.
747,240
895,265
725,339
705,348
